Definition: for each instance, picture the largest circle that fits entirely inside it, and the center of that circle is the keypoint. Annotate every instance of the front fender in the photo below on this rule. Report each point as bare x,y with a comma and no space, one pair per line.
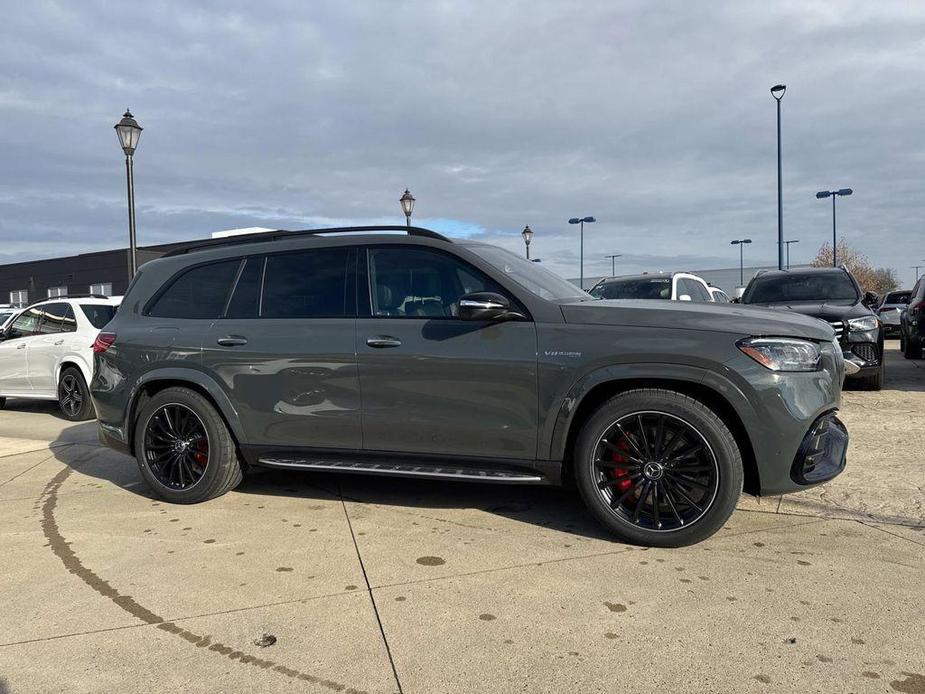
181,376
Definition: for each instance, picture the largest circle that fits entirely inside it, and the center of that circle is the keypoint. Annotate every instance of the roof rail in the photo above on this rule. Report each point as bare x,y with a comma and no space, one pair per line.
62,298
282,234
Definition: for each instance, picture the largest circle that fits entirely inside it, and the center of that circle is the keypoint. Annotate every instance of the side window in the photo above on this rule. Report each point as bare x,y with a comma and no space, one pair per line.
696,290
200,292
246,298
307,284
27,324
68,320
52,318
421,283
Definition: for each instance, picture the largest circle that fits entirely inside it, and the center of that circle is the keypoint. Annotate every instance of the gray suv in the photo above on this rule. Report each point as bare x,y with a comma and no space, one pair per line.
367,350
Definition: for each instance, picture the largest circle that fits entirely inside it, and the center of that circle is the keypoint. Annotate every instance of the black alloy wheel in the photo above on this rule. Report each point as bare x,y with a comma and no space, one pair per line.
656,471
73,396
176,446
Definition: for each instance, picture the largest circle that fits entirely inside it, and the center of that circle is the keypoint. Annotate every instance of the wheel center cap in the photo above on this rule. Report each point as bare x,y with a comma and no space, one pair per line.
653,471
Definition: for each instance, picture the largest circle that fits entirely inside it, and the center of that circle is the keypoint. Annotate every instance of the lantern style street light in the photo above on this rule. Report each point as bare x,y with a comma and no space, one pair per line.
129,133
741,244
778,91
822,195
407,205
527,234
581,252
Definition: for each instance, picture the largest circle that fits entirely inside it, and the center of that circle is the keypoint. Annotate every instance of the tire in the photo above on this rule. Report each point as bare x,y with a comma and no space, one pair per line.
73,395
912,349
2,403
874,382
717,466
184,449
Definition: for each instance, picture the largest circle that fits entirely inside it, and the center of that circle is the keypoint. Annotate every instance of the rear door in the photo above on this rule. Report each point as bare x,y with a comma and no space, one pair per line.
285,350
434,384
14,371
46,347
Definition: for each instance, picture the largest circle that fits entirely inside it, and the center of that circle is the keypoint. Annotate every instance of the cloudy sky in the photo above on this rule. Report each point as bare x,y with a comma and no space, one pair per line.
655,117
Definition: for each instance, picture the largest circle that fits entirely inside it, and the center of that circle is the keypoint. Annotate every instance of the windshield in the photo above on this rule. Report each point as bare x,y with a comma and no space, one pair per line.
98,314
783,289
531,276
898,298
4,315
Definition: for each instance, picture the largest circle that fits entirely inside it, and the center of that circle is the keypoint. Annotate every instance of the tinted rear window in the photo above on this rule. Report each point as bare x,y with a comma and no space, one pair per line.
897,298
828,287
98,314
307,284
646,288
199,293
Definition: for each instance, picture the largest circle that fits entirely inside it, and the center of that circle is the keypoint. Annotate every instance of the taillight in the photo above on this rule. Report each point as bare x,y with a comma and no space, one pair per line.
917,306
103,342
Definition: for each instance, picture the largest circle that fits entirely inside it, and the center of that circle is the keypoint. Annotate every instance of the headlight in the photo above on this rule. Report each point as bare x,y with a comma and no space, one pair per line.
782,354
862,324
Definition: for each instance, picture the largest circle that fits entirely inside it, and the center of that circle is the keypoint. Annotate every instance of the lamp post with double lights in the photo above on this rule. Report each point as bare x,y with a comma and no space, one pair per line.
787,243
822,195
527,235
581,247
613,264
407,205
741,244
129,133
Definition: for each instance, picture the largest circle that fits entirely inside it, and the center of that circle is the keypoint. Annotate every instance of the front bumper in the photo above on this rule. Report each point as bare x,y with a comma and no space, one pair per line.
822,453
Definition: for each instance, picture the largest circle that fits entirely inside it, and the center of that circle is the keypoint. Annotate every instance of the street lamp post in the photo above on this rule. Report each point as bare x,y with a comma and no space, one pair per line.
822,195
613,266
778,91
407,205
581,252
917,268
129,133
741,244
787,243
527,235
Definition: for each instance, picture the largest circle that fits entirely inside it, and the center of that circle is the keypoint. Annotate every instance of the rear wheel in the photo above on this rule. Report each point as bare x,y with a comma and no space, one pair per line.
73,396
658,468
184,449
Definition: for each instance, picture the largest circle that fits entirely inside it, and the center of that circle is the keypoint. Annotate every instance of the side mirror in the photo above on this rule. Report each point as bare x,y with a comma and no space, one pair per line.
871,299
685,297
485,306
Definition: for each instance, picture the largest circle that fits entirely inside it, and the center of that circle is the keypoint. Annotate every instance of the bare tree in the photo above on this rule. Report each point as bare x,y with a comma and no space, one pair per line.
872,279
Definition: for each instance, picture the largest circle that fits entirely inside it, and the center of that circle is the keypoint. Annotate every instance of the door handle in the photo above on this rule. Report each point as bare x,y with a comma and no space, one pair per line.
21,345
59,342
383,341
232,341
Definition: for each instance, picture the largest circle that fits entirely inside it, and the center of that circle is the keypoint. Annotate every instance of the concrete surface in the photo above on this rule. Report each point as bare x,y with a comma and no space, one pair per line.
383,585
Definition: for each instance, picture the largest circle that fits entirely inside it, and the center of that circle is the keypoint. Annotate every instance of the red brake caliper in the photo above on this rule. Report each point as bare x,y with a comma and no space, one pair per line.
621,473
201,455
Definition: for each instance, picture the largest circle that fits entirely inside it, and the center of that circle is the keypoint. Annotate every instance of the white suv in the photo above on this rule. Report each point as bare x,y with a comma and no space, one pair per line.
46,352
676,286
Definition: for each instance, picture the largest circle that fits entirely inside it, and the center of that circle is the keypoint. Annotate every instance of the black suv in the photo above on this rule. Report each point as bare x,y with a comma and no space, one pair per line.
832,295
912,323
373,351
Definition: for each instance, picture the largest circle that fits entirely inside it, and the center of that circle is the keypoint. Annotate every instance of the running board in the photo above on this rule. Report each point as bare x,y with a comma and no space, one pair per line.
470,474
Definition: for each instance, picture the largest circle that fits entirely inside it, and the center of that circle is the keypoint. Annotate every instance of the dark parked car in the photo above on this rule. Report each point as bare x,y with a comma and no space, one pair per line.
408,354
890,309
912,330
833,295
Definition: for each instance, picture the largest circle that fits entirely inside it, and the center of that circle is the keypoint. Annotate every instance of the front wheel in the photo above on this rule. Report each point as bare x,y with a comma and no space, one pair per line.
658,468
184,449
873,382
73,396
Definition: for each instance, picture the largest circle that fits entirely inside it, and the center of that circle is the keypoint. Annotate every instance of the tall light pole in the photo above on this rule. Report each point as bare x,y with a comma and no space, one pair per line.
407,205
787,243
917,268
822,195
129,133
613,265
581,261
741,244
778,91
527,234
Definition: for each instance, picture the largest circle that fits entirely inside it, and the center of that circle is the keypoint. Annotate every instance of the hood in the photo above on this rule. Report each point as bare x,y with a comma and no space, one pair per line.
822,310
687,315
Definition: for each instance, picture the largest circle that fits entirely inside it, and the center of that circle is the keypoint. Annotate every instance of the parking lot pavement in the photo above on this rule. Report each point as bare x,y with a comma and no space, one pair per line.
381,585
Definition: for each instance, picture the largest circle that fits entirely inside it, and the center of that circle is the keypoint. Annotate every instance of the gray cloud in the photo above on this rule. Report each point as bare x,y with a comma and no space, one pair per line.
655,118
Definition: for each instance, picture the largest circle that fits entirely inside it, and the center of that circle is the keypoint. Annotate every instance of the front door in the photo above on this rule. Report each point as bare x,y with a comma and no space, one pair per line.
434,384
14,366
286,355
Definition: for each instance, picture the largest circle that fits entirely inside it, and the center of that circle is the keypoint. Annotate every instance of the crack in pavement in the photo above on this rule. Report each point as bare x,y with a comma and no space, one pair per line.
74,565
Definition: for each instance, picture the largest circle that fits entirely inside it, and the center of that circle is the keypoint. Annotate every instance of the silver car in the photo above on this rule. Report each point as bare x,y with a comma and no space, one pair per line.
893,304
